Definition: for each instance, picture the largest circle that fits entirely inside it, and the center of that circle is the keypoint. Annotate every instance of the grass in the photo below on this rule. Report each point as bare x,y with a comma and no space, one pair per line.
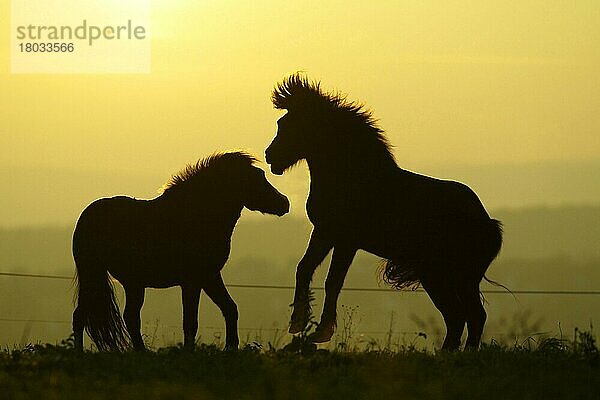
545,369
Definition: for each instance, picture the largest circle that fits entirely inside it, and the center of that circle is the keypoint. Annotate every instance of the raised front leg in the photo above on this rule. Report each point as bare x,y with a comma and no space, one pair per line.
318,247
340,263
216,290
190,297
134,300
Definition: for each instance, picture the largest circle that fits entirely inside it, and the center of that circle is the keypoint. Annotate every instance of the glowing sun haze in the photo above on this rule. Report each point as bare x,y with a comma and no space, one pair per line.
452,82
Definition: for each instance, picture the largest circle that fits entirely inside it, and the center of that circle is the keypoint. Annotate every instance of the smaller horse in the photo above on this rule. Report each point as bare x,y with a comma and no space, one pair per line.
181,238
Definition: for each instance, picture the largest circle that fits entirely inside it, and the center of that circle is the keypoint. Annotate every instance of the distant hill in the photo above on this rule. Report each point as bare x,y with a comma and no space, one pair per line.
33,196
543,232
571,232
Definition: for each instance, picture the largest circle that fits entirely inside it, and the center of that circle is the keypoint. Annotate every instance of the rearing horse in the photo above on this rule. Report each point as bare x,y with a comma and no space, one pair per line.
431,232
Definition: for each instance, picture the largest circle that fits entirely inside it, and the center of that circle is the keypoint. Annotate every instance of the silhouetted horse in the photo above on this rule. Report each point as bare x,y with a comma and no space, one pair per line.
430,232
181,238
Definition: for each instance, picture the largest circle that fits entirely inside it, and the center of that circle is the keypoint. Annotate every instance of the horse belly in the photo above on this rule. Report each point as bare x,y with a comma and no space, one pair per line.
380,245
146,268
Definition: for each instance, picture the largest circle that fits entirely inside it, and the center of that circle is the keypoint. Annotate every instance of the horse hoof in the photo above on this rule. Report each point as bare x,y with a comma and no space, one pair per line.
322,334
230,348
297,326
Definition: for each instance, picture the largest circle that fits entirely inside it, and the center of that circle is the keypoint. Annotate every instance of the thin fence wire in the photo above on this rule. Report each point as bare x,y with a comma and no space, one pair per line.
348,289
288,287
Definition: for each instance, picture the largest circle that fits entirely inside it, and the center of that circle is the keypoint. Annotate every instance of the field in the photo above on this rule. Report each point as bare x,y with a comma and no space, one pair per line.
542,369
378,350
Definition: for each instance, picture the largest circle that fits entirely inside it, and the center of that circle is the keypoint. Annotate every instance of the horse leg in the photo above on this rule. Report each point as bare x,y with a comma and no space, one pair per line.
78,329
134,300
318,247
190,298
445,299
340,263
475,314
216,290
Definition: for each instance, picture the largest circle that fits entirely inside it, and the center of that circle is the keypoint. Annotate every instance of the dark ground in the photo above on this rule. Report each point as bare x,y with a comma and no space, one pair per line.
546,369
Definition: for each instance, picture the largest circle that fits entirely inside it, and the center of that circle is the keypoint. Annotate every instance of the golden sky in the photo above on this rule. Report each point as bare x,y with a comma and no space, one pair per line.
467,82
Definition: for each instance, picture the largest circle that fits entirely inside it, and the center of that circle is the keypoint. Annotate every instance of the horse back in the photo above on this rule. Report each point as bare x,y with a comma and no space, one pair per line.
394,196
149,241
108,222
437,198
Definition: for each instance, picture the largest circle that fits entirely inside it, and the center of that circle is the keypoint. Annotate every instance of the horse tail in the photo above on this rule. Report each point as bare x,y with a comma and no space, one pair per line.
97,307
493,246
399,276
407,275
494,239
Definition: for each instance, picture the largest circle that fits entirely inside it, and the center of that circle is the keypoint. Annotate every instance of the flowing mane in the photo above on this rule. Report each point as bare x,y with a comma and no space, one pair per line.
216,163
298,93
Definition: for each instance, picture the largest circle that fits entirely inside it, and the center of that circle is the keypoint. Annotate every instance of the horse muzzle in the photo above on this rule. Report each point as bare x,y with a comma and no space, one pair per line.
284,206
276,167
277,170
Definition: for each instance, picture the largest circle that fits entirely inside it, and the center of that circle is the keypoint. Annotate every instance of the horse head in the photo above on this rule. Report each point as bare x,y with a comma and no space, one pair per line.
260,195
320,126
290,144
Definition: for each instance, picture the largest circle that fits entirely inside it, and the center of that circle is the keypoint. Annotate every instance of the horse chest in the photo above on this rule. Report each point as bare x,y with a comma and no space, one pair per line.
339,212
323,207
